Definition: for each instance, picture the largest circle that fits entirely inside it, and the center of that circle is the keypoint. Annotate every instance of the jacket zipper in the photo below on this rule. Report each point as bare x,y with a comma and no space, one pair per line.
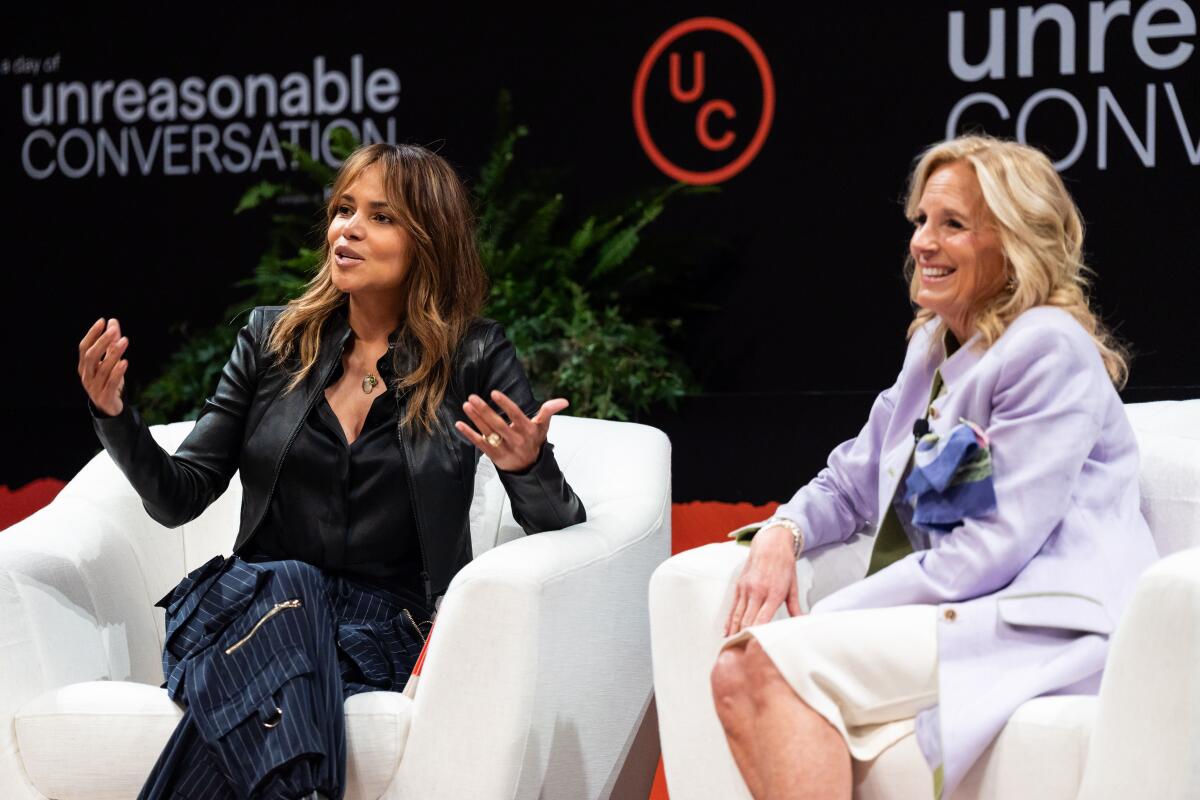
274,610
416,627
412,492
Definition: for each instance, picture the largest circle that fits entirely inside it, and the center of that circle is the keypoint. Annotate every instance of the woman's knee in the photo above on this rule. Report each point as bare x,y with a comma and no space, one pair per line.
729,684
739,672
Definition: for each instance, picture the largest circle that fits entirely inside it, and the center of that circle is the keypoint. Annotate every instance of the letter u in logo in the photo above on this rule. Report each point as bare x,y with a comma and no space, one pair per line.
697,78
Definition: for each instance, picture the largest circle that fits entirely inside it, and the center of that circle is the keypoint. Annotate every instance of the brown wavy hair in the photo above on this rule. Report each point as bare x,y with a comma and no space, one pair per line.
1041,235
445,287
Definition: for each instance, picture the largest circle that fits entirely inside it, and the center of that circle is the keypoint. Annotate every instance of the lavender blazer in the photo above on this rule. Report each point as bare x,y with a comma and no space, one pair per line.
1029,593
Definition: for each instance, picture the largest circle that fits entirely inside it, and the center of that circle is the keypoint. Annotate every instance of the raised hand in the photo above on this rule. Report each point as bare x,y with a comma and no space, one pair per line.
766,582
101,368
512,446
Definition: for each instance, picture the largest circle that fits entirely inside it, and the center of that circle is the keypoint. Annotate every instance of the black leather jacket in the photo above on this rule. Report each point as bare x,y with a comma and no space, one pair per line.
249,424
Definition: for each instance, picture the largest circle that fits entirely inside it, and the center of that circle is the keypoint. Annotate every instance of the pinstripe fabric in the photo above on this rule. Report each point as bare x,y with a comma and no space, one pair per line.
262,655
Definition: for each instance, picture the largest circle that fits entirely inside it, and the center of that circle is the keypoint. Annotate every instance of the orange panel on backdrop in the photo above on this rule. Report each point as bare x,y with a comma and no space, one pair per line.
17,504
694,524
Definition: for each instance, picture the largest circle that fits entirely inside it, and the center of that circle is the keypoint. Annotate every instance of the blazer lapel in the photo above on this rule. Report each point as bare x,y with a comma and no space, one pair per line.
911,406
959,364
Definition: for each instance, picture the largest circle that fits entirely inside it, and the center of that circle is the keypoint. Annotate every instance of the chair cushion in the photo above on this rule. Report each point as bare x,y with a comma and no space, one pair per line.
99,740
1039,755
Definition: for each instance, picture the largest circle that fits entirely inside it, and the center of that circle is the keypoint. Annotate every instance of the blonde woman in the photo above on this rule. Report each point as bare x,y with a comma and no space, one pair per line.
356,415
998,476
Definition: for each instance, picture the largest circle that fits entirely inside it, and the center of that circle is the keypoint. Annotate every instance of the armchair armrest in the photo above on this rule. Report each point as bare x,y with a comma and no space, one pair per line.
73,608
538,672
690,596
1146,742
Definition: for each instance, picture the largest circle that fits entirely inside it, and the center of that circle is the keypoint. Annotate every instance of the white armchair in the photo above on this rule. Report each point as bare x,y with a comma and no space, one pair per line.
1139,738
536,685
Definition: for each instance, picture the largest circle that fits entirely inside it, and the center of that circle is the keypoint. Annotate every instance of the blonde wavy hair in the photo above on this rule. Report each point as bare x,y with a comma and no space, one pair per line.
1041,236
445,287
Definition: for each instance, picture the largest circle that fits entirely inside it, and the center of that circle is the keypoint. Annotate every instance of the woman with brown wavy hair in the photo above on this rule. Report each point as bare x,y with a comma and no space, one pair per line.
344,412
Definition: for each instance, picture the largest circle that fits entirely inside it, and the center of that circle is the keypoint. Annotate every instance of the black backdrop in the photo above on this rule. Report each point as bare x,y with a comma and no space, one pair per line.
799,254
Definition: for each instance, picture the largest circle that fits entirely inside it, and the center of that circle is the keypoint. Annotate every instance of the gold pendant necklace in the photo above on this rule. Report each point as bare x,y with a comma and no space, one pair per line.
368,384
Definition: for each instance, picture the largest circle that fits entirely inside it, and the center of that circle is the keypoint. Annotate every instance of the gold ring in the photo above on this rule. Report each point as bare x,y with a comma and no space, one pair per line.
493,439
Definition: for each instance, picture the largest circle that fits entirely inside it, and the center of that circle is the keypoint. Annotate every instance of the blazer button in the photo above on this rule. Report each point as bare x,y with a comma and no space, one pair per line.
949,615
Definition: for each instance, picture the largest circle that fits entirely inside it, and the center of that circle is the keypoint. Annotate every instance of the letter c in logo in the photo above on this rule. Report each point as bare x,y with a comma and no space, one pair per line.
702,129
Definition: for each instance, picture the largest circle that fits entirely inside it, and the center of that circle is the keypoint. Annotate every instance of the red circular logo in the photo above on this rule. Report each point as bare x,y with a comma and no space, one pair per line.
708,109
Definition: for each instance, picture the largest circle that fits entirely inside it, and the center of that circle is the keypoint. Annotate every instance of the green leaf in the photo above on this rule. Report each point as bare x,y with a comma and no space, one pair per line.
257,194
582,239
537,231
616,250
315,171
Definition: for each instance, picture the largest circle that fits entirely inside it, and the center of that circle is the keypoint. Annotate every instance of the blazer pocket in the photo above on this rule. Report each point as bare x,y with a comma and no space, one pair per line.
267,722
1075,612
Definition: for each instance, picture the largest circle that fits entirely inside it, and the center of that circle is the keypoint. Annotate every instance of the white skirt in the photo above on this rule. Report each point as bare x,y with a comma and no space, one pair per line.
868,672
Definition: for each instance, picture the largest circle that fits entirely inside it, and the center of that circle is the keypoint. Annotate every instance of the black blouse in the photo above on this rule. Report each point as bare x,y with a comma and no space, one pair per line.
366,530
